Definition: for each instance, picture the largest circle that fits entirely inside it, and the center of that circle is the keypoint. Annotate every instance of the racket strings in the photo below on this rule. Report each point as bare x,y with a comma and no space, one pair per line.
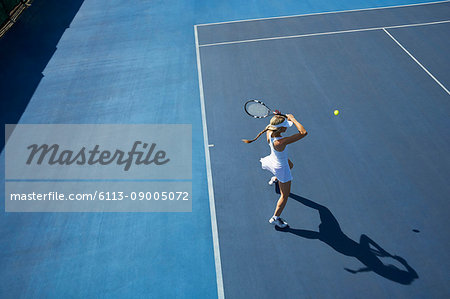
257,109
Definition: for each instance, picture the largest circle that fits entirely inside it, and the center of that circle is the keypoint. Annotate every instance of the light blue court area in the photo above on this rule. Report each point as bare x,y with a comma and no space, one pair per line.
379,169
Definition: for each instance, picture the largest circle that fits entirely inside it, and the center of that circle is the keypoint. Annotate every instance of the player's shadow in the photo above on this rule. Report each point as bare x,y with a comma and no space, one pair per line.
331,234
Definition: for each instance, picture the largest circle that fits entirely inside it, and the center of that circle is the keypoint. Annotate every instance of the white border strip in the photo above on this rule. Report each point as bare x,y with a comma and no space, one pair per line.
323,33
322,13
212,206
431,75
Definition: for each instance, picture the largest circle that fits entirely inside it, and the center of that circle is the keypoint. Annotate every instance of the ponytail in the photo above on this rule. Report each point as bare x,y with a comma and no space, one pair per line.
276,120
269,127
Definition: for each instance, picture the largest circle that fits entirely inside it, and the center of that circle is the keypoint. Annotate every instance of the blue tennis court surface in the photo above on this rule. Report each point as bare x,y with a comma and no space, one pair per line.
363,181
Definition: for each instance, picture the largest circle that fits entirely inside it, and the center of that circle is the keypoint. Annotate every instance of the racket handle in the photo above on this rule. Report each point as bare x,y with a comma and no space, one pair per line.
277,112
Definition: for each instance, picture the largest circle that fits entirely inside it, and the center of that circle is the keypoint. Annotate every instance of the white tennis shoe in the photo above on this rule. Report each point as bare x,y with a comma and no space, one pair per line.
278,222
273,180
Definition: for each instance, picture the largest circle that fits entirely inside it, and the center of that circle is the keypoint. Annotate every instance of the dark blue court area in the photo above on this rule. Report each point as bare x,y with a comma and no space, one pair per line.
368,209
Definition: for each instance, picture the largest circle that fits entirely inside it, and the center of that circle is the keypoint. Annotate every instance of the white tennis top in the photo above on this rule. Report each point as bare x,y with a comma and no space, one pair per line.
279,158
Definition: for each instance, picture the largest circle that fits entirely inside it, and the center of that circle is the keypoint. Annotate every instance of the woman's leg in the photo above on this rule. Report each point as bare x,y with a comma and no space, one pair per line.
285,190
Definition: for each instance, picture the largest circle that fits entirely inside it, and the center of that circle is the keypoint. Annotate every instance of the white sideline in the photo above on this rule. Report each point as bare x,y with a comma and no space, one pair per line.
407,52
212,206
324,33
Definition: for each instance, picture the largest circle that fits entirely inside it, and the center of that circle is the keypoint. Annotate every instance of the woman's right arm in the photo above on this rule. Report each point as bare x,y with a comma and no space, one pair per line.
296,137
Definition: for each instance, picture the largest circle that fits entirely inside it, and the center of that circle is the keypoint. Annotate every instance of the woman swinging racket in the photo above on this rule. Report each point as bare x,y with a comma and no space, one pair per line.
277,162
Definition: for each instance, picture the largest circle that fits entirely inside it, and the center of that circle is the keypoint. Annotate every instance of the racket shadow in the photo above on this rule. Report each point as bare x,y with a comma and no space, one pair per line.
367,251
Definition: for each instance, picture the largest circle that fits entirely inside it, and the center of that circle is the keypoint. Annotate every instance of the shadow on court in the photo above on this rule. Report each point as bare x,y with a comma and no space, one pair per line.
26,49
331,234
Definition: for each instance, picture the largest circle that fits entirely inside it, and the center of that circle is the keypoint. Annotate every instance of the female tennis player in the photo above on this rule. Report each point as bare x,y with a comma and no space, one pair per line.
278,162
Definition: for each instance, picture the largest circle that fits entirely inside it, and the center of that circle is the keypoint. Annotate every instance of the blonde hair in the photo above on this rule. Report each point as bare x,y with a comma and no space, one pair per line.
276,120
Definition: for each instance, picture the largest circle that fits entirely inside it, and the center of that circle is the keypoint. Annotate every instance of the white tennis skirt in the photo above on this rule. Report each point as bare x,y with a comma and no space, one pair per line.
283,172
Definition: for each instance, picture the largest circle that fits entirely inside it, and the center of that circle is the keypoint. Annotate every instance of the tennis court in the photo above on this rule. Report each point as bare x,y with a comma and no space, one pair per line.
368,210
379,168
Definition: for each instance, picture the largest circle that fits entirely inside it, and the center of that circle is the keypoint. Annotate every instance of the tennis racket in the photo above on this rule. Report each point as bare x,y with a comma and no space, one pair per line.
258,109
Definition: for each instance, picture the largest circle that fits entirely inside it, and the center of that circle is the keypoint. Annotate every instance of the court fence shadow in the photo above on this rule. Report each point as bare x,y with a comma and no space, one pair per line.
367,251
25,51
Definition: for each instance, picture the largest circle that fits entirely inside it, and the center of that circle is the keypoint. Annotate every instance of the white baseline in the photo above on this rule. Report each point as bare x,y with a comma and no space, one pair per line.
323,13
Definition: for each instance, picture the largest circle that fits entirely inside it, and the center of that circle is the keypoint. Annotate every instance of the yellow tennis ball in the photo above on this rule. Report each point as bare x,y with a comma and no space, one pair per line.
336,112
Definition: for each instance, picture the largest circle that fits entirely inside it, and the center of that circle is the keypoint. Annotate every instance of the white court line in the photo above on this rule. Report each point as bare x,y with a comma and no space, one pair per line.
212,206
407,52
323,13
322,33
